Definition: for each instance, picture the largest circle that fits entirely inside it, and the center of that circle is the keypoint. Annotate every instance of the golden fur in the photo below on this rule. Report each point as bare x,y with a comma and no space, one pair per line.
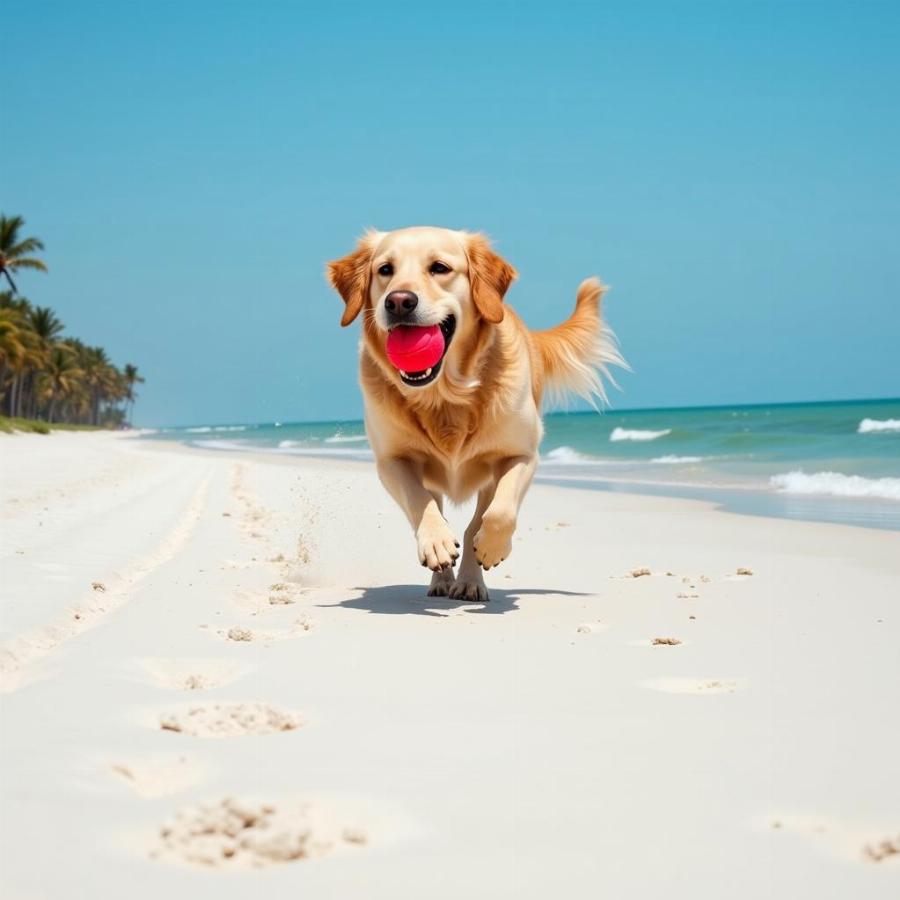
477,426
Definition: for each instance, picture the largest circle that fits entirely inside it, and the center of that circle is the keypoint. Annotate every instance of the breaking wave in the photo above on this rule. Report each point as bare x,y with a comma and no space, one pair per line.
868,426
636,434
566,456
836,484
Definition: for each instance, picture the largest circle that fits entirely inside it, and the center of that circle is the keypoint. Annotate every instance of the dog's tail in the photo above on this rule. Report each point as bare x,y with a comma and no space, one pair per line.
577,353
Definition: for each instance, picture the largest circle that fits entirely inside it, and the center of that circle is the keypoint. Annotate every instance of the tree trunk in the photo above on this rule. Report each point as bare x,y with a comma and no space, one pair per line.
16,395
5,396
12,284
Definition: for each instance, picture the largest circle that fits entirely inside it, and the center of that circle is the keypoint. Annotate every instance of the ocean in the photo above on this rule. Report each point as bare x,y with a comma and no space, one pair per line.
833,462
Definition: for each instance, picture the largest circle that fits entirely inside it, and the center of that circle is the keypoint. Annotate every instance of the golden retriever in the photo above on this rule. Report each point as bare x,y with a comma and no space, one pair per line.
471,422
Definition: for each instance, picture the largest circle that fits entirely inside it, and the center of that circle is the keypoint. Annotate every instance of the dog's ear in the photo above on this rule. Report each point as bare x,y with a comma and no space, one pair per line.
489,278
350,277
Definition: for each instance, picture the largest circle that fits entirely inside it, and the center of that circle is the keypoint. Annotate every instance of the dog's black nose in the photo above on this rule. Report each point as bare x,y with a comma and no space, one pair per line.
400,304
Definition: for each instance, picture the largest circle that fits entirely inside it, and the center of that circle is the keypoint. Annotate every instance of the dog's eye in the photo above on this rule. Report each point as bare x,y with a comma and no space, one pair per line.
438,268
386,269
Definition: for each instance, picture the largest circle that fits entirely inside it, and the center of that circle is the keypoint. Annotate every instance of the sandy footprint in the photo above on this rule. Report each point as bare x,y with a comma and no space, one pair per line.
237,834
663,641
262,526
277,595
160,776
239,564
592,628
741,573
255,520
860,842
673,685
223,720
196,674
283,593
241,634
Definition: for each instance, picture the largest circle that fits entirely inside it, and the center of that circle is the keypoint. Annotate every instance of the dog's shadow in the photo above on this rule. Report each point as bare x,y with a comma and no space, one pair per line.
412,600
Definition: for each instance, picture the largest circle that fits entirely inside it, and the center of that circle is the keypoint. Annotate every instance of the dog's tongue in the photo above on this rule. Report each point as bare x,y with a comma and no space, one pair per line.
414,349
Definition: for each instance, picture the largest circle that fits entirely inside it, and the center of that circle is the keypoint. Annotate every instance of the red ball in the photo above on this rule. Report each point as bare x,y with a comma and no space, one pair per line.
415,348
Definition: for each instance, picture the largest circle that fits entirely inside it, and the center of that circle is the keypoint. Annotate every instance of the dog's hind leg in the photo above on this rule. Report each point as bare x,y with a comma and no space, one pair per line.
469,584
442,580
441,583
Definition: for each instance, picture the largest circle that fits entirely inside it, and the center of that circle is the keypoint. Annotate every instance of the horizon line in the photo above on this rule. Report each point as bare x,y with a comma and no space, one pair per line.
578,412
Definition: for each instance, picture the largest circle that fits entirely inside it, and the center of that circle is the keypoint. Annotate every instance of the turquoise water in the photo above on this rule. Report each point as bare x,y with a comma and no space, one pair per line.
823,461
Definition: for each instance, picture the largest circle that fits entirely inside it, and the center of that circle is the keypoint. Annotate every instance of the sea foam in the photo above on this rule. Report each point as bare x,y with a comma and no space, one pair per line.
345,439
836,484
566,456
867,426
636,434
671,459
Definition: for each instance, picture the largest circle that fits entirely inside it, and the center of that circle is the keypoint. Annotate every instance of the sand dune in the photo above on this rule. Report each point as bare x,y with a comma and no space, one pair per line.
661,699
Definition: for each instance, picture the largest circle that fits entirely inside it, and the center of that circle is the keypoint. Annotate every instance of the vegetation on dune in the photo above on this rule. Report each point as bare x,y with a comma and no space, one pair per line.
11,425
44,375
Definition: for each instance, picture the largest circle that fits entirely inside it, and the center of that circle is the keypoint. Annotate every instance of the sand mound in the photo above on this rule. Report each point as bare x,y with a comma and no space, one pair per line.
230,720
239,634
237,834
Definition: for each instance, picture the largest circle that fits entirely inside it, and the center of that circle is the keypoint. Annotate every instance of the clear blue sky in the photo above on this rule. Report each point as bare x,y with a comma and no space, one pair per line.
730,168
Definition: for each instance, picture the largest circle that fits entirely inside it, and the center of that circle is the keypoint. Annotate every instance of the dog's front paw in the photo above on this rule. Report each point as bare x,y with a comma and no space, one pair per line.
493,541
438,548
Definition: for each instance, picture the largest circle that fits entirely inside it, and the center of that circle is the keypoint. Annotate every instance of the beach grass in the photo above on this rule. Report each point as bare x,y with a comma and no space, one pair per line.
10,425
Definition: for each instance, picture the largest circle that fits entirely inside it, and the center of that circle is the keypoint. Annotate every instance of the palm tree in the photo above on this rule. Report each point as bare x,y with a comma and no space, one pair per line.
14,250
43,373
131,376
26,358
12,349
46,328
61,377
46,323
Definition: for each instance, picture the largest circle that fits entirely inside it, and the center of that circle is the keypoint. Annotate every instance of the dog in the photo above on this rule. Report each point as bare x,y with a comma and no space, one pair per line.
471,422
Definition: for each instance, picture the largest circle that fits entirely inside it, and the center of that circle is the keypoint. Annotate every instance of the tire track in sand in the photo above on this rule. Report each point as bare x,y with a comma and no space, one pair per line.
22,652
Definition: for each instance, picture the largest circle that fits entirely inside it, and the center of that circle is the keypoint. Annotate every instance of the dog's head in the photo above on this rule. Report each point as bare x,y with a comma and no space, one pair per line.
446,284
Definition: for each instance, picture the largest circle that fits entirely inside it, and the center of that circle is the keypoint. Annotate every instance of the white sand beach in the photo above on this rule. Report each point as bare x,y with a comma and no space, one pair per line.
222,677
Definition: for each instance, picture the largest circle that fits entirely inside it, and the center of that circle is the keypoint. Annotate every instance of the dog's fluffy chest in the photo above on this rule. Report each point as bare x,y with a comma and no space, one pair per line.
459,460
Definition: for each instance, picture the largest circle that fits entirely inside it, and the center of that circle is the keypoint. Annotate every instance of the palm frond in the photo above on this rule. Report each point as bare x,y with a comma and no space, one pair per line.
26,263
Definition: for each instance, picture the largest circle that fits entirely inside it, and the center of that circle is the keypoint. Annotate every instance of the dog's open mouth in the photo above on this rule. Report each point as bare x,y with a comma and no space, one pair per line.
421,377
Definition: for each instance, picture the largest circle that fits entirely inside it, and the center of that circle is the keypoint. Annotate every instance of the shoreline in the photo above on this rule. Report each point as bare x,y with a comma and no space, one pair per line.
760,502
632,705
